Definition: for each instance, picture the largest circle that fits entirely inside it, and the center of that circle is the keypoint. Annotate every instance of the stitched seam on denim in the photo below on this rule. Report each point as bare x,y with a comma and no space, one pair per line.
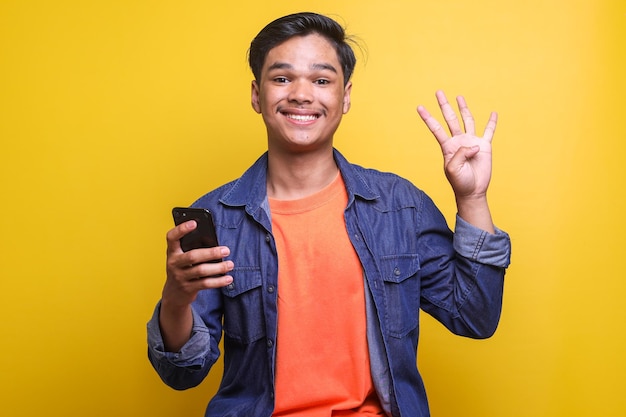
479,245
469,290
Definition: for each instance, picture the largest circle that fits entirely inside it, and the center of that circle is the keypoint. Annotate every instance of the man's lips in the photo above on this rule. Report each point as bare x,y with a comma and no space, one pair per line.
302,116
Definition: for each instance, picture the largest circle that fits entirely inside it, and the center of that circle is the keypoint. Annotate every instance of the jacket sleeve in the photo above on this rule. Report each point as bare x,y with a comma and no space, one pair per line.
462,274
480,246
188,367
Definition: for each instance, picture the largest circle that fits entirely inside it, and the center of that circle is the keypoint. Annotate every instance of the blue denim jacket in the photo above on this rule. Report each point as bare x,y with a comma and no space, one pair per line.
410,259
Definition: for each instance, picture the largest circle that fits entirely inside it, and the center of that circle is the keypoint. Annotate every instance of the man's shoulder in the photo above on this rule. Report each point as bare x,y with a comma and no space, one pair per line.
249,188
383,190
374,174
383,182
375,179
213,197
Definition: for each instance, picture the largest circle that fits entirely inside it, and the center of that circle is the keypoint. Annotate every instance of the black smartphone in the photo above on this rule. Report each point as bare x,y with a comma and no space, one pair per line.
204,235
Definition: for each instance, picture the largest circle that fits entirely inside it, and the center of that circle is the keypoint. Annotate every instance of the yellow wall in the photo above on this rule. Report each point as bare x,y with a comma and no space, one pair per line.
112,112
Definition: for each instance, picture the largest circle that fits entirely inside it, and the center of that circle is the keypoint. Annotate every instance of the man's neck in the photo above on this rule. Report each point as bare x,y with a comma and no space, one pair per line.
294,176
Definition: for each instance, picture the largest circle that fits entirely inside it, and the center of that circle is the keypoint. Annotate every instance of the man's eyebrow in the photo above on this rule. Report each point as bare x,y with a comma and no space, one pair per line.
324,66
317,67
279,65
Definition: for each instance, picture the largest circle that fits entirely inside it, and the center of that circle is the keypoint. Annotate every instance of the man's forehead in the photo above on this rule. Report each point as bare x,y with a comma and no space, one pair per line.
312,47
316,66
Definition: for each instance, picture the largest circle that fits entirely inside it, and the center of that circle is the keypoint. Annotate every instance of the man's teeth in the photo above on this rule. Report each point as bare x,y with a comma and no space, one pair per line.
302,118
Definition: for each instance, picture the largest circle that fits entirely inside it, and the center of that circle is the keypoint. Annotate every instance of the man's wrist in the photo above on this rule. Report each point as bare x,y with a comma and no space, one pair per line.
475,210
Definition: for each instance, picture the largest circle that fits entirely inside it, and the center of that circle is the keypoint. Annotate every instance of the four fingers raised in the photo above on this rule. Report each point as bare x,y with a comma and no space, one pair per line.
452,121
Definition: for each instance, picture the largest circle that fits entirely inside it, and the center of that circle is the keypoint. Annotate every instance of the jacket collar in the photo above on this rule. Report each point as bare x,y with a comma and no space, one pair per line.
250,190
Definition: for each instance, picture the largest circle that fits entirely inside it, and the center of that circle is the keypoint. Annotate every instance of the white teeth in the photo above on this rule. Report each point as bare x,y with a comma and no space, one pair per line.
302,118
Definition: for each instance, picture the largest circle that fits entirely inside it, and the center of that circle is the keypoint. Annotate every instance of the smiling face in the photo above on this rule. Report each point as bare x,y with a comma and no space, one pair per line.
301,94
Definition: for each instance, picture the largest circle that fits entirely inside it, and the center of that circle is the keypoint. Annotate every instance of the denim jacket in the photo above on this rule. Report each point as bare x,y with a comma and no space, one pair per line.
410,260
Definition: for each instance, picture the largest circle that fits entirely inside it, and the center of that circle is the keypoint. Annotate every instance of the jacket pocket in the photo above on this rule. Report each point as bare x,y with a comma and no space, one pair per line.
402,293
243,313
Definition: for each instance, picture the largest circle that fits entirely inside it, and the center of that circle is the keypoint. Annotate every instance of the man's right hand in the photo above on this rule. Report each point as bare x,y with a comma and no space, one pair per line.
187,274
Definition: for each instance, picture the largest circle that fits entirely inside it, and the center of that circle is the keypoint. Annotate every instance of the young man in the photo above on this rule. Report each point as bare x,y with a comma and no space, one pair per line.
326,264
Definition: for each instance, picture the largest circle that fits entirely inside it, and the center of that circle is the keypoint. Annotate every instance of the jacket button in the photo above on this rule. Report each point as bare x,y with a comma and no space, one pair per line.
267,238
270,343
396,271
270,289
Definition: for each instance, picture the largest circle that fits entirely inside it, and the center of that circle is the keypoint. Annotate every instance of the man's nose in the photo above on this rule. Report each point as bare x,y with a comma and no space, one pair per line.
301,91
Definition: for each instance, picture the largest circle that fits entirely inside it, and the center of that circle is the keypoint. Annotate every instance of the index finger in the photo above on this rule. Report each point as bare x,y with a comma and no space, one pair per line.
174,235
433,125
491,127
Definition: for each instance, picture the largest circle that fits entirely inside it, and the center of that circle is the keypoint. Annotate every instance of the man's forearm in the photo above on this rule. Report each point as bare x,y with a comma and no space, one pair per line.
176,326
475,211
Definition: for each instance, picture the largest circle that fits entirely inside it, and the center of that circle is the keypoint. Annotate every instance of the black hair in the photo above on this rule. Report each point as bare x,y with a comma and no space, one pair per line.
301,24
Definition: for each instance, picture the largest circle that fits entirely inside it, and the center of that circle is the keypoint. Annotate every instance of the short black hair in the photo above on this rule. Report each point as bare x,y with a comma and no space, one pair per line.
301,24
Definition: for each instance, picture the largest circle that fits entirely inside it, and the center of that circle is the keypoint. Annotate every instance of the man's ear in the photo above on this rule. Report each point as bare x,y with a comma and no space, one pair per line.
255,97
346,97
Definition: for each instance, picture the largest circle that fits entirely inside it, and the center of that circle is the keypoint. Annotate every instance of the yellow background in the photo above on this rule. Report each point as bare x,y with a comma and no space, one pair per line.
112,112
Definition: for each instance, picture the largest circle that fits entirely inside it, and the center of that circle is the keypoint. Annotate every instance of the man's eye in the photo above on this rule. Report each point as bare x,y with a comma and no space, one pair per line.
280,80
322,82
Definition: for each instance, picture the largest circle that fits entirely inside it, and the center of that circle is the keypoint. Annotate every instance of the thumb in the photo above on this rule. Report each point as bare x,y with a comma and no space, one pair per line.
470,151
463,154
456,168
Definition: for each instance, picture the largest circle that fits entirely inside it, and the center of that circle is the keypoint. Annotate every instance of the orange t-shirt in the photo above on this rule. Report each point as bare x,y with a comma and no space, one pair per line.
322,360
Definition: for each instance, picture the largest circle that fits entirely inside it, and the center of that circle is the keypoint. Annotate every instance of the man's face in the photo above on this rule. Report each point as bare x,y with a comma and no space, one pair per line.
301,94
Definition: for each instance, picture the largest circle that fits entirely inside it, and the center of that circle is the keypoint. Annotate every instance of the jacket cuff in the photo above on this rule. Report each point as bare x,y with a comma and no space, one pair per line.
192,354
481,246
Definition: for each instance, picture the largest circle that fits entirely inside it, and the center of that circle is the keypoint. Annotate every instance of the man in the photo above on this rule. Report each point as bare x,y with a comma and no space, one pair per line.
326,264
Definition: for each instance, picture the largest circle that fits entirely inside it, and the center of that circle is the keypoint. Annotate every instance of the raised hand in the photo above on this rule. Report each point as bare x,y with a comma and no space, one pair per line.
467,157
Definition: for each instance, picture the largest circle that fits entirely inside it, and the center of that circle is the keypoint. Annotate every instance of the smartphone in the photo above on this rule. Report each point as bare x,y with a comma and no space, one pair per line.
204,235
